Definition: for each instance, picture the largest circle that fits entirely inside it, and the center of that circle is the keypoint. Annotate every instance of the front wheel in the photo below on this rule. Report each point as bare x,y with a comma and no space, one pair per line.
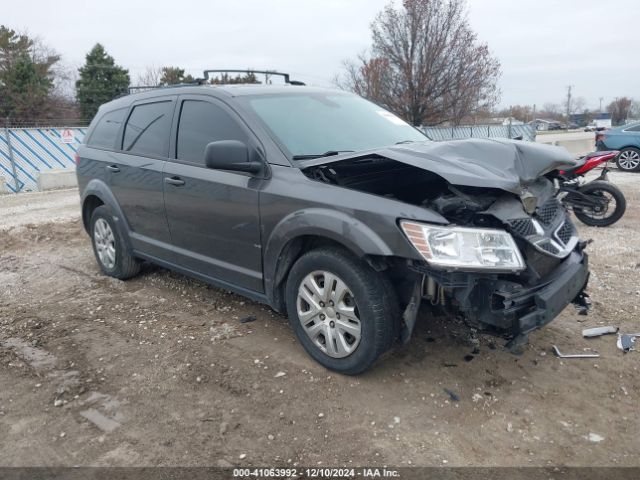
344,313
608,206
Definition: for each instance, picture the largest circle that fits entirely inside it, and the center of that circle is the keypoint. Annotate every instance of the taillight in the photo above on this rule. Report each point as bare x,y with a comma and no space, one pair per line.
76,157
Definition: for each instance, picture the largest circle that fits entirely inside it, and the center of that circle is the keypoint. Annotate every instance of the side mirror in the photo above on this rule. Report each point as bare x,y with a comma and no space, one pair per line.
230,155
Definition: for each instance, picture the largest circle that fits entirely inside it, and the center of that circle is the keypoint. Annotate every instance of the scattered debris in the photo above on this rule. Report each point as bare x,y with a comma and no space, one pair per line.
627,342
320,415
104,423
594,437
598,331
468,358
453,395
280,374
242,456
248,319
573,355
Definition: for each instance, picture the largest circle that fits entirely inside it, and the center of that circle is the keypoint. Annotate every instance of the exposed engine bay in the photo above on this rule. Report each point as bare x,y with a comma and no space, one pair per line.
509,304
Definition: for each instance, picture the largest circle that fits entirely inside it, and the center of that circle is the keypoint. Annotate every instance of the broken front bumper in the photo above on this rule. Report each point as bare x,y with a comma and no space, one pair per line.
502,305
551,298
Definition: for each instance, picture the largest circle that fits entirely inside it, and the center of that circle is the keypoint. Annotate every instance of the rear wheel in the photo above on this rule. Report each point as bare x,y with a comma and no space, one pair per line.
343,312
628,159
608,207
108,246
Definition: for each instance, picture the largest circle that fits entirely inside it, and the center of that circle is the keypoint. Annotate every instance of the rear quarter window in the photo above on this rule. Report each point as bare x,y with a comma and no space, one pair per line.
106,130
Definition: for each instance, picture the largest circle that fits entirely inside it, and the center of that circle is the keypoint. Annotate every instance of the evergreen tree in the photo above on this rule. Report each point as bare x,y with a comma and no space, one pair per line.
101,80
226,79
26,79
174,75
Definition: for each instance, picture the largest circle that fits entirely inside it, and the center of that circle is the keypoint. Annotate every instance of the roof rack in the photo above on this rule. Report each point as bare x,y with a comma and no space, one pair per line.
263,72
144,88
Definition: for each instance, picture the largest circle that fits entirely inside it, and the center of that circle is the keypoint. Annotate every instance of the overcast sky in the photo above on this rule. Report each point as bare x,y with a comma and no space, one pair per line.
543,45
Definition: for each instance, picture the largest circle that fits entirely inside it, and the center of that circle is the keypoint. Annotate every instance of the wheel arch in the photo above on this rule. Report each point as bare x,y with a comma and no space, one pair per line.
97,193
303,231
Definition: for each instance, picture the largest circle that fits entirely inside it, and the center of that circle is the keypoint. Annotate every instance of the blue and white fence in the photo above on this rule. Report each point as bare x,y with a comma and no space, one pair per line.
438,134
25,152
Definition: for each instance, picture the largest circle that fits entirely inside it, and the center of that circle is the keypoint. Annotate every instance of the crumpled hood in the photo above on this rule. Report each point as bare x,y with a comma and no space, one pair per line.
508,165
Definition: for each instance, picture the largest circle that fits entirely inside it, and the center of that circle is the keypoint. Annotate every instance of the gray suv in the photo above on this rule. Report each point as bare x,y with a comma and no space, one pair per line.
331,210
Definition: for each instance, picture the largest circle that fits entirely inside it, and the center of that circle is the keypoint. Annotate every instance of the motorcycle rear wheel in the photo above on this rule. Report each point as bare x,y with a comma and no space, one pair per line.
602,217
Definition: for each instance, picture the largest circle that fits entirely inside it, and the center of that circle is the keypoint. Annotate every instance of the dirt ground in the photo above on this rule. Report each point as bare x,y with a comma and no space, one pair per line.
159,370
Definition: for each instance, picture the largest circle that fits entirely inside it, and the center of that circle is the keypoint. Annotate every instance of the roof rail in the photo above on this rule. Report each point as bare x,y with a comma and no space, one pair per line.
263,72
197,81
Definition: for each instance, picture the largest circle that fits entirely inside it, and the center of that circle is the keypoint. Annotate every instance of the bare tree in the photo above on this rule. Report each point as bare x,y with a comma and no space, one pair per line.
620,109
151,77
574,105
634,111
426,64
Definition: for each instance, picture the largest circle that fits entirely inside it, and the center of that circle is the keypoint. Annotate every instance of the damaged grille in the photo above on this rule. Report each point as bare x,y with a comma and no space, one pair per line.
548,230
565,232
548,212
548,247
522,226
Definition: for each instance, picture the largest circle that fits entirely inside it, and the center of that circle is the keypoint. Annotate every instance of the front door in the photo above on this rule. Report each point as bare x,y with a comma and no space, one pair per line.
213,215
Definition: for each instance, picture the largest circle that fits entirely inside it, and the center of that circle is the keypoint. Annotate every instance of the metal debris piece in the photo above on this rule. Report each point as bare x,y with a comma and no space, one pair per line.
453,395
573,355
627,342
598,331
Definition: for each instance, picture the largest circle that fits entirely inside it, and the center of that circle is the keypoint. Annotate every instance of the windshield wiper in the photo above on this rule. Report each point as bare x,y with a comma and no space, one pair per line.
330,153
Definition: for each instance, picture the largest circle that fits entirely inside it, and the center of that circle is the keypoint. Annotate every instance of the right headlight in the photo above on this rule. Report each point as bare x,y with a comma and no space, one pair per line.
461,247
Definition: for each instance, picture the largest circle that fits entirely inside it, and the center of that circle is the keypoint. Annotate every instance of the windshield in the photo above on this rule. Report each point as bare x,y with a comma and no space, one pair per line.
319,124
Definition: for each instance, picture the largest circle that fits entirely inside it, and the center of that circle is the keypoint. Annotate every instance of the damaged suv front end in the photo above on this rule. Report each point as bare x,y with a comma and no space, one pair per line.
508,261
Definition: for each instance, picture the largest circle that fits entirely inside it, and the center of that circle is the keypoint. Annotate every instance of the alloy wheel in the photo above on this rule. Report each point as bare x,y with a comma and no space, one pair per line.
328,313
105,243
629,160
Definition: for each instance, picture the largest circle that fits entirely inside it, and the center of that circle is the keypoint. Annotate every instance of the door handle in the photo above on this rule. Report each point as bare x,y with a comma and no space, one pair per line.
113,168
175,181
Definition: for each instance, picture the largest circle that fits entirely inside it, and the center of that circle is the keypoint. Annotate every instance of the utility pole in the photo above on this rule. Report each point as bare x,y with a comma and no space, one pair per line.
601,98
568,101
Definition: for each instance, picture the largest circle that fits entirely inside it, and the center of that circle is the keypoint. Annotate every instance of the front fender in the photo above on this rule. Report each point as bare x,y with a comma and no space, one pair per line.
332,224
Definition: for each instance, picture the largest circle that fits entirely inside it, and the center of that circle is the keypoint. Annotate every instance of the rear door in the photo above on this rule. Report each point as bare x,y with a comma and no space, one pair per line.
213,215
135,172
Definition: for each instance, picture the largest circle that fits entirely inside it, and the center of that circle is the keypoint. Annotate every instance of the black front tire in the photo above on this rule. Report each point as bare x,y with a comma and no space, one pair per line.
374,298
125,265
595,188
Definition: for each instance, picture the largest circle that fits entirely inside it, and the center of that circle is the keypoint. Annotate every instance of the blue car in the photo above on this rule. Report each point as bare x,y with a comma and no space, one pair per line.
626,139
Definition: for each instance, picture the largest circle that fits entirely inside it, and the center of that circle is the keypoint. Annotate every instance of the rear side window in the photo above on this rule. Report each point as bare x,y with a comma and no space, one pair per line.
105,133
202,123
147,130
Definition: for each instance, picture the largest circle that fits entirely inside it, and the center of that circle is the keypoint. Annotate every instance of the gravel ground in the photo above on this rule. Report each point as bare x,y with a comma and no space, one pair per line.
159,370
